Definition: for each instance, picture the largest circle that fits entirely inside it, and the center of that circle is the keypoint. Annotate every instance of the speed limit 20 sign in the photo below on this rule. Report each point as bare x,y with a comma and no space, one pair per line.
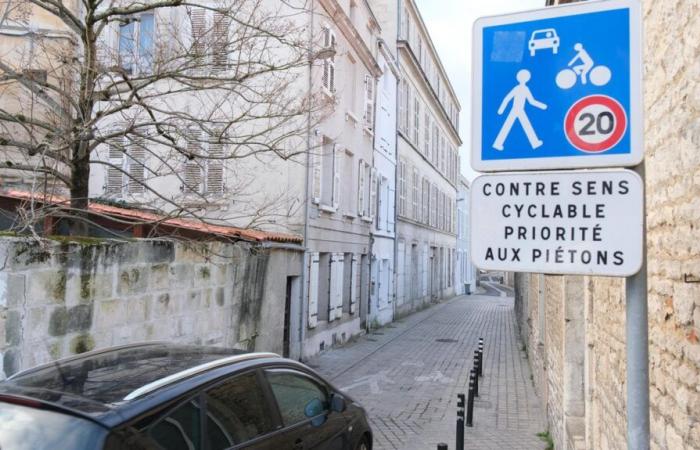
551,91
595,123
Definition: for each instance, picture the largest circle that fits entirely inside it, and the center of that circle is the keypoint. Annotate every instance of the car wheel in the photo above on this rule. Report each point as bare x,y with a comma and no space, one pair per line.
363,445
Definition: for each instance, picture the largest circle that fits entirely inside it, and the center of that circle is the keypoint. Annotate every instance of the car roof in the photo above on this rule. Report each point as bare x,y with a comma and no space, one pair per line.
98,383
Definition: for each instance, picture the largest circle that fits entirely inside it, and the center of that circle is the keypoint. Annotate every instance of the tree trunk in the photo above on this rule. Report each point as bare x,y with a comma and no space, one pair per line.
80,176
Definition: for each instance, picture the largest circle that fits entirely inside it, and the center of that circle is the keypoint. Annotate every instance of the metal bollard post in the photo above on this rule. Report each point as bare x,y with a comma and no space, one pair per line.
476,383
477,362
481,359
470,402
459,436
442,446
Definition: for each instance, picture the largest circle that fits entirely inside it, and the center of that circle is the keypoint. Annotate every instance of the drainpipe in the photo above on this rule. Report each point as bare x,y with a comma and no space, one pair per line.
306,253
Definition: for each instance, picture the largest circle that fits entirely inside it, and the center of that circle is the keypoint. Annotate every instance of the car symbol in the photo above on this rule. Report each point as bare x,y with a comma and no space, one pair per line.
541,39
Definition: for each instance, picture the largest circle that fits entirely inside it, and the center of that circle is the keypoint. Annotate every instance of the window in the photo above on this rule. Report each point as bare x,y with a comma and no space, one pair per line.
204,172
415,199
236,412
327,171
136,44
426,134
298,396
329,41
403,99
348,202
436,144
426,201
402,188
180,429
127,166
369,102
416,122
210,39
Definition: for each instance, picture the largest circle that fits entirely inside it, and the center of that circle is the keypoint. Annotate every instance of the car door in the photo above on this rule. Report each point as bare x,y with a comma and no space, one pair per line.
304,407
238,414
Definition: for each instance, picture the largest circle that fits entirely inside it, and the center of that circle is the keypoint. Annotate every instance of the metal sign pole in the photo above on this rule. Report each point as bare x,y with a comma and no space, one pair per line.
637,336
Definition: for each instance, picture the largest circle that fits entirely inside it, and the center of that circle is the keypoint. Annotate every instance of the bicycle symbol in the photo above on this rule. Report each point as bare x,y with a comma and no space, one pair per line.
585,70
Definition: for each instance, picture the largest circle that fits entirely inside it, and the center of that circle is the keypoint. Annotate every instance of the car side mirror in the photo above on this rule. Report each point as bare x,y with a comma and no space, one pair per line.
338,403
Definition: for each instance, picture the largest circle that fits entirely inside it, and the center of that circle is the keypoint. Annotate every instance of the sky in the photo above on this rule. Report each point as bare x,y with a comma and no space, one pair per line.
450,25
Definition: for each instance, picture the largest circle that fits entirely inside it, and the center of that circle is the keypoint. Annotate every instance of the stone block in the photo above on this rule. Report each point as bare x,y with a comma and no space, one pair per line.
138,309
81,344
36,323
181,275
157,251
164,305
3,289
13,328
160,277
110,314
220,298
58,321
16,289
46,287
132,280
192,302
80,318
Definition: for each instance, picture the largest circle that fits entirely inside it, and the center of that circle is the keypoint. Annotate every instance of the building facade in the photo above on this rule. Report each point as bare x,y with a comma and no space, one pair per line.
428,143
465,272
383,242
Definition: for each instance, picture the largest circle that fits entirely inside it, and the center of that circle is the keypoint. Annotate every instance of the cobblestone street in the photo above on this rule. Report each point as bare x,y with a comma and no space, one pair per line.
408,375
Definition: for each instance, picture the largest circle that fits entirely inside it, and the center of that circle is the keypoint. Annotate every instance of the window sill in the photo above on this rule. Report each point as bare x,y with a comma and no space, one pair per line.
350,216
367,219
327,208
350,117
368,131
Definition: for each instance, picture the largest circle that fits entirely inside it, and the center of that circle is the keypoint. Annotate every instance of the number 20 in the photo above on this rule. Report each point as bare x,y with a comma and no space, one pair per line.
598,121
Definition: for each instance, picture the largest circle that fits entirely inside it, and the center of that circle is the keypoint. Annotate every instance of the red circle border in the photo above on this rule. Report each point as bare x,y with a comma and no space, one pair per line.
602,146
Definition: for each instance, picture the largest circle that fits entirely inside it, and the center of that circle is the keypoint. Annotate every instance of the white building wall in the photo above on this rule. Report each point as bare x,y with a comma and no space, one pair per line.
383,283
465,272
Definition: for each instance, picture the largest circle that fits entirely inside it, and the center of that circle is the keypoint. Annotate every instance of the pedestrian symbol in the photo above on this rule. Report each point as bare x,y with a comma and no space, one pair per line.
519,95
553,91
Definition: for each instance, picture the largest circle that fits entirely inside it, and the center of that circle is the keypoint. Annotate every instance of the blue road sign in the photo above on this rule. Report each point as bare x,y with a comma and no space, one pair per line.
558,88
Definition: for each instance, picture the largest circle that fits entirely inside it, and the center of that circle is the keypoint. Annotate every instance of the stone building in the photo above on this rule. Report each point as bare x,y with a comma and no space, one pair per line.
428,168
465,272
574,327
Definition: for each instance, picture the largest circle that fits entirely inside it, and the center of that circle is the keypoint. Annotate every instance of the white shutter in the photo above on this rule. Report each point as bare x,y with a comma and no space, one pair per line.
137,169
108,46
354,282
372,194
331,60
313,289
315,158
115,175
220,40
198,27
336,287
215,165
193,169
336,176
361,188
369,102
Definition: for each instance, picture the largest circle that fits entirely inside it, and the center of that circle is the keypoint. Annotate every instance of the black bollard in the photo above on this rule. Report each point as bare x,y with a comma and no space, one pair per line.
442,446
459,435
476,382
481,359
477,361
470,402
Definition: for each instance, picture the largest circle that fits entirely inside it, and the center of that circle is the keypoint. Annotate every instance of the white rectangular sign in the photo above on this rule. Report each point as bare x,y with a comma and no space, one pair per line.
579,223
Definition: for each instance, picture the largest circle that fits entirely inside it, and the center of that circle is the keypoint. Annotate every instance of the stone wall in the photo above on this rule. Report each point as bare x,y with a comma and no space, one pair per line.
672,166
61,298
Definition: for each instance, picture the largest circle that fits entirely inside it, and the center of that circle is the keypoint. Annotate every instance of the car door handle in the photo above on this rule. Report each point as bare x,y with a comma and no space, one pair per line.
298,444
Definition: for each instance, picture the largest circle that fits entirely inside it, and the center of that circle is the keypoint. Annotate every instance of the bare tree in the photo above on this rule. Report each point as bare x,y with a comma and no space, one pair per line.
155,94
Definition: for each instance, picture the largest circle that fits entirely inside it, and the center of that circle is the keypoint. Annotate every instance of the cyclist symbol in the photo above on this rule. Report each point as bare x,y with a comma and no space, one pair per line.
585,69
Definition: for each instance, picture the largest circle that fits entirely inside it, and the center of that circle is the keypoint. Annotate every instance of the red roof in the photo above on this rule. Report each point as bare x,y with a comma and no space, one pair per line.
145,217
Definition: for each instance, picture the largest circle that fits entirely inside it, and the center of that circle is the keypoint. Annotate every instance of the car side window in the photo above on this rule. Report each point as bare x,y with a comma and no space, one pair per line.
180,429
299,397
237,411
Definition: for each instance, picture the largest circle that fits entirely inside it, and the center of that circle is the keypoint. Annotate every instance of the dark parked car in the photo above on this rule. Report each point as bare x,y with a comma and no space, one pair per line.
162,396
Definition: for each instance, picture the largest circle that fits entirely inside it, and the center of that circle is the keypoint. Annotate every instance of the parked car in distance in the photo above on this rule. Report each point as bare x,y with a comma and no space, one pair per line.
174,397
541,39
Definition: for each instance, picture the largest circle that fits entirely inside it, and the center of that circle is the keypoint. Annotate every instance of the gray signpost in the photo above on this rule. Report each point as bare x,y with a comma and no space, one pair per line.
561,88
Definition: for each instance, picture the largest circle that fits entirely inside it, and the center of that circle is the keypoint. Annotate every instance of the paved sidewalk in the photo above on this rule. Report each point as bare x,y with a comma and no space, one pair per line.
408,374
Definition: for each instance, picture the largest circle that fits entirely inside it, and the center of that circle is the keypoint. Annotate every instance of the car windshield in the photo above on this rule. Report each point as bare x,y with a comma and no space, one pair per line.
543,34
26,428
